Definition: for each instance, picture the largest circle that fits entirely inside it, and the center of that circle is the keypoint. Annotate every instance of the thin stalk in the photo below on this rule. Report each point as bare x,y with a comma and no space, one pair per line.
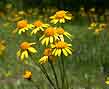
47,76
64,81
54,73
43,70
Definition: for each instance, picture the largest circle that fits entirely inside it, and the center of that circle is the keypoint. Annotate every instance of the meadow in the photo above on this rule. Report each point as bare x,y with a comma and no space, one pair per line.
86,68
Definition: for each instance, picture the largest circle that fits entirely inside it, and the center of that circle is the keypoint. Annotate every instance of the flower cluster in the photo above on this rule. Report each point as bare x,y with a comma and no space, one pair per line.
97,28
52,37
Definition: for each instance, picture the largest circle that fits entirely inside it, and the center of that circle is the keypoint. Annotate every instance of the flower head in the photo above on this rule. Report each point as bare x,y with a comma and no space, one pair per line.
39,26
47,56
23,26
49,36
60,17
25,49
61,47
27,75
61,33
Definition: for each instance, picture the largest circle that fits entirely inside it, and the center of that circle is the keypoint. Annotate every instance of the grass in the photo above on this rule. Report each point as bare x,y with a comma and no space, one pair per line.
84,68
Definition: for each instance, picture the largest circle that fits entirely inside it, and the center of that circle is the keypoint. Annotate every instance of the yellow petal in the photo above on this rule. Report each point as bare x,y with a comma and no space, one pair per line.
53,52
31,49
56,52
68,17
43,41
69,51
51,39
19,53
26,54
22,55
43,60
47,41
41,37
59,52
65,52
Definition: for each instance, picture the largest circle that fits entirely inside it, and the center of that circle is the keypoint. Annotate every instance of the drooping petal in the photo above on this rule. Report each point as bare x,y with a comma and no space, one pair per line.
19,53
51,39
65,52
32,50
68,50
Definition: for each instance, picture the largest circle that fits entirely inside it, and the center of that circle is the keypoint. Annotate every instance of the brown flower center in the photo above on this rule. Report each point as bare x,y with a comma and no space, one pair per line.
60,45
50,31
24,45
60,14
38,23
48,52
22,24
60,31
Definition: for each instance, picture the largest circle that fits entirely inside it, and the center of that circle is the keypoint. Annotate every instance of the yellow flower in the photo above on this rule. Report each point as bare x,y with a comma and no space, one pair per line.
107,82
27,75
25,49
23,26
92,9
39,26
2,47
61,47
92,26
61,33
60,17
49,36
47,55
102,26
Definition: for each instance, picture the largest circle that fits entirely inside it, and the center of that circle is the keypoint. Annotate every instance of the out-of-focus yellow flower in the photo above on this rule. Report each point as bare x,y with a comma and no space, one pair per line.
97,31
60,31
92,9
49,36
60,17
8,6
107,82
39,26
25,49
47,55
2,47
92,26
23,26
27,75
61,47
102,26
22,13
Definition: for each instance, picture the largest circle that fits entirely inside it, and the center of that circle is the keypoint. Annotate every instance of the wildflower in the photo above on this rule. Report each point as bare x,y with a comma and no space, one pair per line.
61,33
39,26
27,75
102,26
49,36
93,25
47,55
61,47
25,49
2,47
107,81
92,9
60,17
23,26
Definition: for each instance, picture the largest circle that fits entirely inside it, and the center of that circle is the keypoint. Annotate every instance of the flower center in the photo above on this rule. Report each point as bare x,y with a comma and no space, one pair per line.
60,31
24,45
60,14
38,23
48,52
60,45
50,31
22,24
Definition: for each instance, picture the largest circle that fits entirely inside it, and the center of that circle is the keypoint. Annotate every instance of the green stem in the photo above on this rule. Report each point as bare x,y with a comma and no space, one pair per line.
54,72
43,70
47,76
